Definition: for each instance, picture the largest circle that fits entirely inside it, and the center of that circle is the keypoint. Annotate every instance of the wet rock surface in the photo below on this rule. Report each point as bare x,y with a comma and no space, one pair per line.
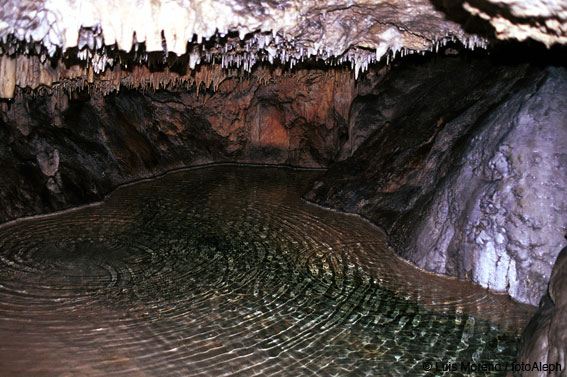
57,152
545,337
469,178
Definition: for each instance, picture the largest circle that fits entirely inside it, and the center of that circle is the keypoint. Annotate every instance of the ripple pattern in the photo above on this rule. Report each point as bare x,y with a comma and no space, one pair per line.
226,271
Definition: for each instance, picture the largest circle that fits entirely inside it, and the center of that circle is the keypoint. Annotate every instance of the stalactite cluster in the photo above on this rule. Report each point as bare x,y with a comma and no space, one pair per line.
106,69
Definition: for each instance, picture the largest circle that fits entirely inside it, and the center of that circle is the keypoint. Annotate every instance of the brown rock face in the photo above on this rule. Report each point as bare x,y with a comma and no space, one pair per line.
545,338
301,117
59,152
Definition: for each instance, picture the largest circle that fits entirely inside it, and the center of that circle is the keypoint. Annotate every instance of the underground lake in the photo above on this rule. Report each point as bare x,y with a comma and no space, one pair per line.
226,270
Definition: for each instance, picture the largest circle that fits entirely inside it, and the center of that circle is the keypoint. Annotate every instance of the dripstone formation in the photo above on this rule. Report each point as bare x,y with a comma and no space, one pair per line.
457,154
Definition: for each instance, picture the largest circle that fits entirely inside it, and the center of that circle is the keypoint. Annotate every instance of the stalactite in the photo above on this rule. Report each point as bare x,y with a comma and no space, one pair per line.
7,76
29,73
97,57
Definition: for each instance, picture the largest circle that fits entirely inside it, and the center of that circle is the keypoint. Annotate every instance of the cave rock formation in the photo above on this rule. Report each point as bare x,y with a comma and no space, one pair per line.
460,159
468,178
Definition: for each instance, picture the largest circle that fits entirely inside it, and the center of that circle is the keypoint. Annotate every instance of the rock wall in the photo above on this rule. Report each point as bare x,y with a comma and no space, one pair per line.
56,151
458,157
465,169
545,337
501,214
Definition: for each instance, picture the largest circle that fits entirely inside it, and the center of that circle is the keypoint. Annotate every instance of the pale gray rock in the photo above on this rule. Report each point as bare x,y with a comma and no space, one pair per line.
502,212
296,28
466,171
542,20
48,161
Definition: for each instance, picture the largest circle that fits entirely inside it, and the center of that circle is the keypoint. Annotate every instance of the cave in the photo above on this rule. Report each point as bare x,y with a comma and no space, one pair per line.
231,187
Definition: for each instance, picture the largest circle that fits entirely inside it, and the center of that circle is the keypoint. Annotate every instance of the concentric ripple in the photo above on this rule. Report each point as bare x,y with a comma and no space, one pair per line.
226,271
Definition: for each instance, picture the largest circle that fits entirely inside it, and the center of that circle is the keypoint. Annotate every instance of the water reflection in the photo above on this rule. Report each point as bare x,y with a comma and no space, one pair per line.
226,271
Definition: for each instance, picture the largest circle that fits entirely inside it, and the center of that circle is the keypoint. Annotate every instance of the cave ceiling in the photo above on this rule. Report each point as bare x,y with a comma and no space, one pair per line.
47,43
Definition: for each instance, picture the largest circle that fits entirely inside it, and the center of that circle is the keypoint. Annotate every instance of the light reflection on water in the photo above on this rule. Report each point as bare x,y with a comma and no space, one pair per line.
226,271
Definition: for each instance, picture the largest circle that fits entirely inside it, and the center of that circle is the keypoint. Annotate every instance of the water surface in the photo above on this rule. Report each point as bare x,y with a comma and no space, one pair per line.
226,271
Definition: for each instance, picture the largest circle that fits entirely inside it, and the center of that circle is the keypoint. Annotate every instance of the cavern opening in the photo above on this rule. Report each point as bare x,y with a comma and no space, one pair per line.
265,188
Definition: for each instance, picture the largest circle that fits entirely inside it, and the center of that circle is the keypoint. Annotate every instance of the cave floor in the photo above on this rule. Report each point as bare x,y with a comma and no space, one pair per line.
226,271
